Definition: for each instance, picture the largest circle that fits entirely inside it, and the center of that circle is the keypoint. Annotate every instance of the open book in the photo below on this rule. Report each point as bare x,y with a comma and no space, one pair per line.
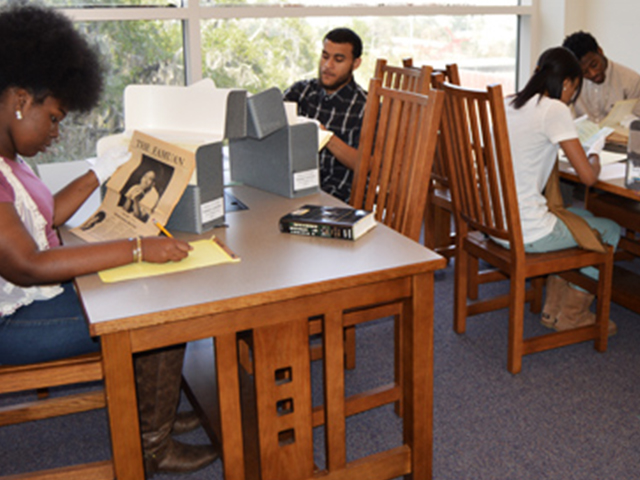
142,192
293,118
589,133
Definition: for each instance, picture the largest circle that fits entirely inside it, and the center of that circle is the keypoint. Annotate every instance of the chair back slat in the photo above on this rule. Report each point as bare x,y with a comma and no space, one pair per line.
439,172
476,141
396,154
408,79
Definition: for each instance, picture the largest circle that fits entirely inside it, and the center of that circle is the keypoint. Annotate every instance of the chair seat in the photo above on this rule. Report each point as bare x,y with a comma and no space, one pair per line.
536,264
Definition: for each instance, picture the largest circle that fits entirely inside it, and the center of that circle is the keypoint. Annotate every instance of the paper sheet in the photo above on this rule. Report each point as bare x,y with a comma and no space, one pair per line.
606,157
293,118
323,138
619,117
607,172
613,170
205,253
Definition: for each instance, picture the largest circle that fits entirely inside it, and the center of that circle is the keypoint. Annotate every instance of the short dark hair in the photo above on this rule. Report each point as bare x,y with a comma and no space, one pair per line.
581,43
554,66
346,35
43,53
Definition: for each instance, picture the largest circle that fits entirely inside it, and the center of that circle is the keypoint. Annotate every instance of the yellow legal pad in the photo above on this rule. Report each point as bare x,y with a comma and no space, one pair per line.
204,254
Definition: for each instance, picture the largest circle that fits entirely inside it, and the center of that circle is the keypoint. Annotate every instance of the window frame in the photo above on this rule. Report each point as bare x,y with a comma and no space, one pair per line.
192,13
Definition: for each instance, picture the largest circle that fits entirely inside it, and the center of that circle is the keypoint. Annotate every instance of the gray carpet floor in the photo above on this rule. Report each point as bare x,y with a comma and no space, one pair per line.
572,413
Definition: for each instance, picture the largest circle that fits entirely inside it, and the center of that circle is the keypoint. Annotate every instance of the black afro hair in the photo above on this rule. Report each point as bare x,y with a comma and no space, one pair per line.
42,52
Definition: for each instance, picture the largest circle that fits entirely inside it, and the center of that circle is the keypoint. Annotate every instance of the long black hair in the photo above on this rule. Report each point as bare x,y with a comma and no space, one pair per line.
555,65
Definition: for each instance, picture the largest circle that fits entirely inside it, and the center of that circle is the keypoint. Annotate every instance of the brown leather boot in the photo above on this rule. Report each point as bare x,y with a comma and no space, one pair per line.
185,422
554,291
575,312
158,376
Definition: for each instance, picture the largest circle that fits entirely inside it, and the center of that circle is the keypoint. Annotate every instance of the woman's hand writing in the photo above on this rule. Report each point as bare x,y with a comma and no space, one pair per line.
163,250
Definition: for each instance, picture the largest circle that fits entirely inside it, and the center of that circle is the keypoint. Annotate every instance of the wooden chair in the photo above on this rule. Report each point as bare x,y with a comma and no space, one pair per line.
439,211
485,205
41,377
404,78
408,79
399,134
397,143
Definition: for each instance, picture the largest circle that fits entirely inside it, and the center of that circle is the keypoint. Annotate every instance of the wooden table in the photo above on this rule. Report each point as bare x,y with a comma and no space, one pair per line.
281,281
611,199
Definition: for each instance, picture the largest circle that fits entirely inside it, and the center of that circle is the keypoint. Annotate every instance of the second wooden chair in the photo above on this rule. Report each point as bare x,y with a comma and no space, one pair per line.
397,145
486,205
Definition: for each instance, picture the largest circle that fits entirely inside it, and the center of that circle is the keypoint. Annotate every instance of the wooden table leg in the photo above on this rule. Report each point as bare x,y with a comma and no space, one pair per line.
283,400
418,377
230,412
122,405
336,429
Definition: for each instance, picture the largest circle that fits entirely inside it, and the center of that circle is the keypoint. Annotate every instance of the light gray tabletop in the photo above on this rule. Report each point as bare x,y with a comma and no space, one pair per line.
273,264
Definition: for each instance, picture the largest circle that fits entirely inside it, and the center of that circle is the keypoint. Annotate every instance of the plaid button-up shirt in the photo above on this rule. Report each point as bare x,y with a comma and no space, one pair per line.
342,113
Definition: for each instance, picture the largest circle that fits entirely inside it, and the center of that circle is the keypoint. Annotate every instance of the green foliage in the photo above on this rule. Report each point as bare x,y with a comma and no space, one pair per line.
257,54
133,52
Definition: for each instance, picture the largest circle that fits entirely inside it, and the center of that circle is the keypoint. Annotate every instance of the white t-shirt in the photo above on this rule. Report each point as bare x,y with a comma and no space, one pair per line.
535,130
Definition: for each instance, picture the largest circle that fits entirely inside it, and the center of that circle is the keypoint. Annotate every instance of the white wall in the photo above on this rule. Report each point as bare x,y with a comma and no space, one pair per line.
614,23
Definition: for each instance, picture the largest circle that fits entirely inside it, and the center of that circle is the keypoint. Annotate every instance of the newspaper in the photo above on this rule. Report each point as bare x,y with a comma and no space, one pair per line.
142,193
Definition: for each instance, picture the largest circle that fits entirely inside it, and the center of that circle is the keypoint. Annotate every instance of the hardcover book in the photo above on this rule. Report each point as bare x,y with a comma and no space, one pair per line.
331,222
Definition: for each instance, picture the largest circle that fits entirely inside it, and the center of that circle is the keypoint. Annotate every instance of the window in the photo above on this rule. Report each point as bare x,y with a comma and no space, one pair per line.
257,44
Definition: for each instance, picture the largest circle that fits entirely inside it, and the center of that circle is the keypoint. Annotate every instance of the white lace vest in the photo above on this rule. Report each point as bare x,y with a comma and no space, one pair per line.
12,296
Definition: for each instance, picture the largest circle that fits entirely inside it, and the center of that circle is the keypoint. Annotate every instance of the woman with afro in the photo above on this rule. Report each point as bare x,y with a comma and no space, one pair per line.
47,69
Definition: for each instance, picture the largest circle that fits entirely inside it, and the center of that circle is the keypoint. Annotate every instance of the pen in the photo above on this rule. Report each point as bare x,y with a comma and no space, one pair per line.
163,230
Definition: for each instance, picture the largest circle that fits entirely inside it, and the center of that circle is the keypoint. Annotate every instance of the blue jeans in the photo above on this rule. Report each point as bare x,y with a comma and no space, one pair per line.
560,237
46,330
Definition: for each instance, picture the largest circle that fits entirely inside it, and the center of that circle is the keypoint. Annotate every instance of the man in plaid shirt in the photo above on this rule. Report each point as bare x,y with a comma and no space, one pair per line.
337,102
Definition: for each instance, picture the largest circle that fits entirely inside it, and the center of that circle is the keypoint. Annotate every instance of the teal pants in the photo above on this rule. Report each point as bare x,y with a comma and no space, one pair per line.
560,237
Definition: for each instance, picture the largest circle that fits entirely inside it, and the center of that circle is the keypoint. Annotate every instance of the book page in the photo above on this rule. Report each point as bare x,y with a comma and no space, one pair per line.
324,135
590,132
606,157
323,138
205,253
143,191
620,116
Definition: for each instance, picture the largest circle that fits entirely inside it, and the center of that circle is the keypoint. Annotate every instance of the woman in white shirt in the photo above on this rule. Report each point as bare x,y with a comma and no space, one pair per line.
540,123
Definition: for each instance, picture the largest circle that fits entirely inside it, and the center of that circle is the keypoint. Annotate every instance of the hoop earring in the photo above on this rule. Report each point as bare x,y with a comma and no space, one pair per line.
18,114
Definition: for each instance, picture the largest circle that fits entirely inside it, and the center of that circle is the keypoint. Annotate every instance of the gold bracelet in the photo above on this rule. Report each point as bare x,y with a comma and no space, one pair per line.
139,249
